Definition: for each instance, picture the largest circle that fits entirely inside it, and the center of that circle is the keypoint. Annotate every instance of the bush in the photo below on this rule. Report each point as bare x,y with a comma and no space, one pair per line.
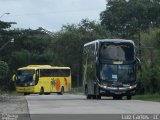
150,78
4,69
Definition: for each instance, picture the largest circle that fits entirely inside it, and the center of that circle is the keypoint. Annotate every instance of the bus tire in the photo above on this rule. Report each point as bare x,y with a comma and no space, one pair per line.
129,97
94,95
88,96
98,97
86,93
41,91
86,90
62,91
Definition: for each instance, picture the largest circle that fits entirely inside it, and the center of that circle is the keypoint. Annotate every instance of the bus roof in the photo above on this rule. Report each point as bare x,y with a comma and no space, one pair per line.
109,40
42,67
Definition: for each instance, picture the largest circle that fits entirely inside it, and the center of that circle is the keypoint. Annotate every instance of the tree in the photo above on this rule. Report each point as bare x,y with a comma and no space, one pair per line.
150,60
5,34
127,17
4,69
5,37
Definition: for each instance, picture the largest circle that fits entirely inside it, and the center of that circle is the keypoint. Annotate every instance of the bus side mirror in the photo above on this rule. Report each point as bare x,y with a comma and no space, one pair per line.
138,62
14,78
34,77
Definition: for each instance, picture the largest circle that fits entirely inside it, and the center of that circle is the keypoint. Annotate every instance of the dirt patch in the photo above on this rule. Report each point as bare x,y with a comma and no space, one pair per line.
11,106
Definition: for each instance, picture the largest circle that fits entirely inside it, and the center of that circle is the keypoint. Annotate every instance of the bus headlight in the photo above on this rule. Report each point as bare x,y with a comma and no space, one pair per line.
102,86
31,84
131,87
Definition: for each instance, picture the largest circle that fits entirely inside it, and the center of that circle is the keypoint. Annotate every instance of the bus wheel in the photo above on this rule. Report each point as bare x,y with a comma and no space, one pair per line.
86,93
98,97
88,96
41,91
129,97
62,91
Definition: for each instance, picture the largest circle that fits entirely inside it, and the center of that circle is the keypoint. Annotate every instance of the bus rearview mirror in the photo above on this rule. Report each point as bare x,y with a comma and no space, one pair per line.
14,77
34,77
138,63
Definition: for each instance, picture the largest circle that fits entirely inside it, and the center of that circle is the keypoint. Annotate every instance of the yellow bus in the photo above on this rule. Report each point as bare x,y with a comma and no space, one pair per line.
43,79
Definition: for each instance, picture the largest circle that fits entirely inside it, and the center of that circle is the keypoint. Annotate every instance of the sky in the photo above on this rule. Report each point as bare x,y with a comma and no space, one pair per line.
49,14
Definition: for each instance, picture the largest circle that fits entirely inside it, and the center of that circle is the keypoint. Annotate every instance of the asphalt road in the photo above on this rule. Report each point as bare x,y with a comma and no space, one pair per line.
77,104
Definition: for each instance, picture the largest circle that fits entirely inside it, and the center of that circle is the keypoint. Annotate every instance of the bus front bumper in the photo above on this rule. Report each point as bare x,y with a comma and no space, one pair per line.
123,91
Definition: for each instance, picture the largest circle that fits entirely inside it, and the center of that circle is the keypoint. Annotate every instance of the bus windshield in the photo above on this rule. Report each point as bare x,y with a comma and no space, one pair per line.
25,77
117,51
120,73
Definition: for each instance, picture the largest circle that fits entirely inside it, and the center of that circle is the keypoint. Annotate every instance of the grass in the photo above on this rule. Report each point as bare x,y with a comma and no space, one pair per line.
10,93
78,90
148,97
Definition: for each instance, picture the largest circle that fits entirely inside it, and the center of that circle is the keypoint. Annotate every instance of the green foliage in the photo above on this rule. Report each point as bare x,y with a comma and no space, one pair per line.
148,97
20,58
4,25
3,69
150,61
5,36
126,17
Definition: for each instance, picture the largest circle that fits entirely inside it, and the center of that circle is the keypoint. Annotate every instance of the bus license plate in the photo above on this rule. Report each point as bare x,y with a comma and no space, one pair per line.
118,93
